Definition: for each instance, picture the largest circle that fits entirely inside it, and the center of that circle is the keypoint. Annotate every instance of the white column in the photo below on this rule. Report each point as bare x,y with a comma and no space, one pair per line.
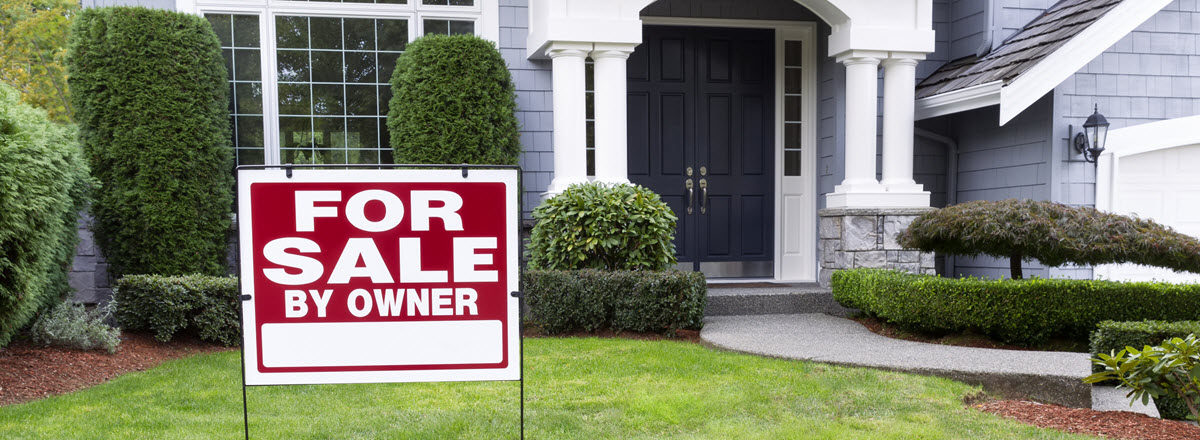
570,113
862,91
610,100
899,80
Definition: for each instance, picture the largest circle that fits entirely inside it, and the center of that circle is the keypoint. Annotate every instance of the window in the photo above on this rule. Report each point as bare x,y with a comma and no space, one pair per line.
793,86
309,80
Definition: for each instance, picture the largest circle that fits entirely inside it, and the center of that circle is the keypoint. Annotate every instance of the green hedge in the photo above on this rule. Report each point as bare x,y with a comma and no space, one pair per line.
43,187
453,102
589,300
603,226
1114,336
1015,311
167,305
151,99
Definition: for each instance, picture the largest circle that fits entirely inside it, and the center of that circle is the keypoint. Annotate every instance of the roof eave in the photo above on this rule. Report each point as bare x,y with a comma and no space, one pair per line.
960,100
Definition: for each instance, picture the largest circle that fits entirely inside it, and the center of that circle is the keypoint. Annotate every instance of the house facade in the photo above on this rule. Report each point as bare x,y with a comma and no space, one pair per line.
790,137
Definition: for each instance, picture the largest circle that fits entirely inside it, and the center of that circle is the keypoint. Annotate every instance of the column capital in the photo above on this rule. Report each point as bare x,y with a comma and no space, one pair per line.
568,49
909,62
612,50
849,57
852,61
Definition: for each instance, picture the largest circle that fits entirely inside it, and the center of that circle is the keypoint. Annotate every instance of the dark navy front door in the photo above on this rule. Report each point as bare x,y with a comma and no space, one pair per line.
701,134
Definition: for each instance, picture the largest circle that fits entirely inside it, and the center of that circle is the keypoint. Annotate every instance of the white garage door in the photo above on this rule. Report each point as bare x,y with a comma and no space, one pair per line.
1164,186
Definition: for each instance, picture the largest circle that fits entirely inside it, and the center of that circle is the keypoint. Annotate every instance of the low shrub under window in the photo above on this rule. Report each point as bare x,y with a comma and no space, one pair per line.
167,305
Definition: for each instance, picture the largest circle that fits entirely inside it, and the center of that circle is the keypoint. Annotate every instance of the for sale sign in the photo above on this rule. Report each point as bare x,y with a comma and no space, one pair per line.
379,275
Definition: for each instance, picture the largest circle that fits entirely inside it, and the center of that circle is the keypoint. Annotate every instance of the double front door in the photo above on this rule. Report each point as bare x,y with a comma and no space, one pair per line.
701,135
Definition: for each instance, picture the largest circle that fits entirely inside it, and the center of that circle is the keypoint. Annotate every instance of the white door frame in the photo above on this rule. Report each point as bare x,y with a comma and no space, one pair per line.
804,228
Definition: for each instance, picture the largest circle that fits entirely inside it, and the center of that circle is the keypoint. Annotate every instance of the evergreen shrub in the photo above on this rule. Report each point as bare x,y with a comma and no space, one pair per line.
43,187
1016,311
453,102
166,305
1052,233
150,95
603,226
589,300
71,325
1111,337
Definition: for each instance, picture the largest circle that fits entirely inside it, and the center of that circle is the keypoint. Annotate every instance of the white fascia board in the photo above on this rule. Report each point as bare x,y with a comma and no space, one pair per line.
1152,136
849,37
960,100
1081,49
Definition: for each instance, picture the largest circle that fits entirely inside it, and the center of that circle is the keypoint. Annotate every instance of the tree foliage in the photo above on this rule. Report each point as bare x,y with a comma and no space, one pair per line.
151,98
1052,233
453,102
33,48
43,186
1169,369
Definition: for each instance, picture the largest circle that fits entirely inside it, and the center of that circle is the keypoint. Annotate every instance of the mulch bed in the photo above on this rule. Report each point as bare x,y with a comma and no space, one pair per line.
1106,424
29,371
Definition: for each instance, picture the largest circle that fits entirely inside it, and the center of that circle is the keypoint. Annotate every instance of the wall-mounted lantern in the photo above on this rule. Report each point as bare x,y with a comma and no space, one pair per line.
1090,141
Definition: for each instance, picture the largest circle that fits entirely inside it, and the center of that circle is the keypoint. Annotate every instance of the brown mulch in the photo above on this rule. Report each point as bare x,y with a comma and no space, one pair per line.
1106,424
29,371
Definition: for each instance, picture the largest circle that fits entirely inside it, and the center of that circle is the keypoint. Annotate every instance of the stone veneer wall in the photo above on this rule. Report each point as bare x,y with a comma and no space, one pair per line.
866,237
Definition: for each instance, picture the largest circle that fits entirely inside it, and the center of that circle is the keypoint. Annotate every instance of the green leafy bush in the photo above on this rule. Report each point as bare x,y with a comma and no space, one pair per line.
453,102
589,300
43,186
1169,369
1015,311
1052,233
71,325
1113,336
167,305
149,90
603,226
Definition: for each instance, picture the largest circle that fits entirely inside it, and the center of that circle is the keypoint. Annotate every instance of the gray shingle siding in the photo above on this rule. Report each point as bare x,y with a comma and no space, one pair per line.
532,80
831,106
968,27
1012,15
157,4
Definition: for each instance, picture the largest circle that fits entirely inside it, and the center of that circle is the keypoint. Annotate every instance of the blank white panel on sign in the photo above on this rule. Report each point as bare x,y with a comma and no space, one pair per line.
382,343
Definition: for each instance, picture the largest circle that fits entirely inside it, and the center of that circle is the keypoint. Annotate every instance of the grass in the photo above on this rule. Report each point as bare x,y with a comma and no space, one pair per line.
584,388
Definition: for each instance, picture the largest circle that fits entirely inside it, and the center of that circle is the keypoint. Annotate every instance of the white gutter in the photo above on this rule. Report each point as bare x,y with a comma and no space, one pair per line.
960,100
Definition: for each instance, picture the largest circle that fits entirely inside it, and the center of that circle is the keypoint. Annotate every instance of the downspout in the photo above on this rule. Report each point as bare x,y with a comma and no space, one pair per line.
989,20
951,179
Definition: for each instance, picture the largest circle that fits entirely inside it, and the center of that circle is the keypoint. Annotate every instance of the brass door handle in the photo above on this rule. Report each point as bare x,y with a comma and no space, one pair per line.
703,196
691,195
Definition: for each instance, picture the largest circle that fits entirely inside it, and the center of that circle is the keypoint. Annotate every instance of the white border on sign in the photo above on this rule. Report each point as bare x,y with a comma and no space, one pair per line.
250,348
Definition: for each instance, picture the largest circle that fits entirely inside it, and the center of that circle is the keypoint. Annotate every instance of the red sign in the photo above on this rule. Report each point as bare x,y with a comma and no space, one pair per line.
379,275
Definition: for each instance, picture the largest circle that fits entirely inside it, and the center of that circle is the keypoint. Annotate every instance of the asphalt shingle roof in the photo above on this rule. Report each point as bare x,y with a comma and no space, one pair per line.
1021,51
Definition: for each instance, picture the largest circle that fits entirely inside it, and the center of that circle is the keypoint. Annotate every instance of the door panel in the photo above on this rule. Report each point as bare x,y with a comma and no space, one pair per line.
709,107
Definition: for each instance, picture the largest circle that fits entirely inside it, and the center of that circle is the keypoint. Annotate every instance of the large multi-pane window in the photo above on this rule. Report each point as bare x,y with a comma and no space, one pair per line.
310,84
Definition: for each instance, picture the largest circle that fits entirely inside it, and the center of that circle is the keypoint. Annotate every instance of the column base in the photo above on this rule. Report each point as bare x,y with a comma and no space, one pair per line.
558,185
877,196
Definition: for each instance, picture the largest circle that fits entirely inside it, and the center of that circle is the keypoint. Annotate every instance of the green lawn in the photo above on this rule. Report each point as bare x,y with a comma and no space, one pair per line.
576,389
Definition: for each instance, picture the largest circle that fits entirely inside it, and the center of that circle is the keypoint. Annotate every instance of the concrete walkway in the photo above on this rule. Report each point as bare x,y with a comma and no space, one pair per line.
1052,377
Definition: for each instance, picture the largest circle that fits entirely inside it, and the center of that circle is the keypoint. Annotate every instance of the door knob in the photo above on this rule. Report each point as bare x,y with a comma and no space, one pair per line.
691,193
703,171
703,195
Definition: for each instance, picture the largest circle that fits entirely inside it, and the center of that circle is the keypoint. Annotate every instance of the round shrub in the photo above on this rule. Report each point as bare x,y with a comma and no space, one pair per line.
453,102
1052,233
603,226
167,305
149,90
43,186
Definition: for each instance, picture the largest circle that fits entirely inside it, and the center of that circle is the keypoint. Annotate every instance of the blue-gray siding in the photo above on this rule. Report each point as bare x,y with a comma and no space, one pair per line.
534,102
159,4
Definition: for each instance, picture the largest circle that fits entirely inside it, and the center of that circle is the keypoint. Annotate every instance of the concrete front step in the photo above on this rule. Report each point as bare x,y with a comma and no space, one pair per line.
771,299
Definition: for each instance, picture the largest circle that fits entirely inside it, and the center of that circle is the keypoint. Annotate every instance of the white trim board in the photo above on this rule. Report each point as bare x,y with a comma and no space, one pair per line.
1021,92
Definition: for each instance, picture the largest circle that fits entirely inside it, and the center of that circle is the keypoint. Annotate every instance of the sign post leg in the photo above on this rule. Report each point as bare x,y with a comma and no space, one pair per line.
520,319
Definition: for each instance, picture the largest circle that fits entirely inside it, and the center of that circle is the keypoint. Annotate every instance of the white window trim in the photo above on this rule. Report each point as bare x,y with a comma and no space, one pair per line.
485,14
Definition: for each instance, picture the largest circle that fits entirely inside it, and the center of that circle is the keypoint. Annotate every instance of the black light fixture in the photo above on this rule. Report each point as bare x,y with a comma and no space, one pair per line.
1090,141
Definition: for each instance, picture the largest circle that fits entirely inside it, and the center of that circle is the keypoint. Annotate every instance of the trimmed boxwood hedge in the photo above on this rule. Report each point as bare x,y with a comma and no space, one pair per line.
167,305
642,301
453,102
1015,311
1114,336
151,99
43,187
